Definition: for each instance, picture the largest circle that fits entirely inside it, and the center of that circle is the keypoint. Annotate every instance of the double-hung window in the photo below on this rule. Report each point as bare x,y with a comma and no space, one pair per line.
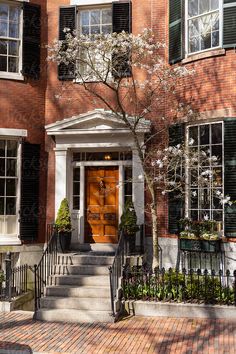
92,22
204,200
196,26
203,23
10,37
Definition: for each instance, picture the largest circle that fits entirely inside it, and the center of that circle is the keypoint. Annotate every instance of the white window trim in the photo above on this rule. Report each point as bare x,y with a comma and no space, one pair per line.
14,239
186,202
16,76
186,19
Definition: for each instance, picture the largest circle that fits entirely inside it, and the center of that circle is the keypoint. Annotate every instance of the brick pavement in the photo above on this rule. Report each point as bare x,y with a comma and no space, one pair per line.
20,334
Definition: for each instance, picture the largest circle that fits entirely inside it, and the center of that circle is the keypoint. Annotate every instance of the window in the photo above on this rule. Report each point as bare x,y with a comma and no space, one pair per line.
8,186
203,200
10,38
76,188
203,25
200,25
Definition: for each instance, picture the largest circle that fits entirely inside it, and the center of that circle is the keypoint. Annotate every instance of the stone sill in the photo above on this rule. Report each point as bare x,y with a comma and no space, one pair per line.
209,54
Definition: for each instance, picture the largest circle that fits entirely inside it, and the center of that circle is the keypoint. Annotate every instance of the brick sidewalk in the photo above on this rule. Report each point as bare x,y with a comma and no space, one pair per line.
20,334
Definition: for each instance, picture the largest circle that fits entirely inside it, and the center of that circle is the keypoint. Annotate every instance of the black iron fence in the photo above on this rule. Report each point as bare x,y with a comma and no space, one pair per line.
13,281
140,283
46,267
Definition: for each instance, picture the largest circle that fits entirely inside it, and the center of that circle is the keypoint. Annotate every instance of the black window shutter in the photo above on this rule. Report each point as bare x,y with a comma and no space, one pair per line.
175,31
230,175
229,24
29,208
31,40
121,21
67,19
175,203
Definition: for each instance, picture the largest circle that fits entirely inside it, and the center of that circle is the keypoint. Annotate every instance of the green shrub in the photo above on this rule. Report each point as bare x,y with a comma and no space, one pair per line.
63,220
128,221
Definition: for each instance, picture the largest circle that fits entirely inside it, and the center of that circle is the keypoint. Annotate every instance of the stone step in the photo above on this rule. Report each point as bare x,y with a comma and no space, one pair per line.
80,280
74,291
81,269
97,304
72,315
84,259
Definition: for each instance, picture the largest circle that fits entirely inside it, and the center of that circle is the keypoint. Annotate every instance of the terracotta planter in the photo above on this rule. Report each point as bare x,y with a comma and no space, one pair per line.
65,241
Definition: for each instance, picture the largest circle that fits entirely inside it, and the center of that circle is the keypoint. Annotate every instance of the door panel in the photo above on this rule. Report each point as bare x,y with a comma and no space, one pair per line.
101,224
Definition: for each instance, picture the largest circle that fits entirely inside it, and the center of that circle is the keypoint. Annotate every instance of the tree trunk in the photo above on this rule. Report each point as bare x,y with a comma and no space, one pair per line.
155,243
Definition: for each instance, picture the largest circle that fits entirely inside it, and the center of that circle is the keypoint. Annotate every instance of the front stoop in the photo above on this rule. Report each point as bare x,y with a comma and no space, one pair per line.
79,290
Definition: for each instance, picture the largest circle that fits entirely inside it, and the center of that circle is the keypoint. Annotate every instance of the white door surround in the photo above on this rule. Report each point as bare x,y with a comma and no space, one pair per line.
94,131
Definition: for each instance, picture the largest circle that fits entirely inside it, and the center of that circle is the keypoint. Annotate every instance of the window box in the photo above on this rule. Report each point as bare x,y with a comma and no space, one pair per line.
199,245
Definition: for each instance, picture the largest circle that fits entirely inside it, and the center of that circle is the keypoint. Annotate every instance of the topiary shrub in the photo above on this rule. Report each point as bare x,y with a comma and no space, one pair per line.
63,220
128,221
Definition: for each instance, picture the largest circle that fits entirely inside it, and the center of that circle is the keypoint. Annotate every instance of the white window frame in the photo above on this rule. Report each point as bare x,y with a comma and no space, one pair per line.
18,75
14,238
187,53
187,196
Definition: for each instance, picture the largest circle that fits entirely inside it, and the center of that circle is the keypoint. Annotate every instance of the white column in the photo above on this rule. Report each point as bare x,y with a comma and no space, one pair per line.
138,187
121,190
61,177
82,204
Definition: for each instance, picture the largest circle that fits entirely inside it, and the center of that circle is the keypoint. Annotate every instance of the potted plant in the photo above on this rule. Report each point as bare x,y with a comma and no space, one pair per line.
63,225
128,225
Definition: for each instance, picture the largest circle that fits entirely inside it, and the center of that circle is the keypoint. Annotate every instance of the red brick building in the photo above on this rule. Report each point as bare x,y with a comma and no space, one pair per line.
79,136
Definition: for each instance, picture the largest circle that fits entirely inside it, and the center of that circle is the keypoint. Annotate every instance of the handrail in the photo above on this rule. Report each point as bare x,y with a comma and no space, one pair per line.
46,266
116,270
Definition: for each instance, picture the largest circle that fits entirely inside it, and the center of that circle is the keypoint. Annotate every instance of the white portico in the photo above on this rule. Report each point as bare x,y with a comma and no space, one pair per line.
97,169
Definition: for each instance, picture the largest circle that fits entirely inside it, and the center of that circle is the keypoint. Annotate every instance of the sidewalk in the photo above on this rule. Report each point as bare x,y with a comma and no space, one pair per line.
20,334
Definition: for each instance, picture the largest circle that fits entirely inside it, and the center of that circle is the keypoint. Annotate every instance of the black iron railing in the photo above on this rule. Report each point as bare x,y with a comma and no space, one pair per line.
14,281
46,267
116,270
173,286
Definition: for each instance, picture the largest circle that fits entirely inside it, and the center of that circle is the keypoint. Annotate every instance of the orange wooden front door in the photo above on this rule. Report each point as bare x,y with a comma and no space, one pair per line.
101,213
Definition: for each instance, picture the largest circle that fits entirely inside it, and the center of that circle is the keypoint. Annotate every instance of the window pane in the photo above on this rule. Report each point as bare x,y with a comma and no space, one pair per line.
216,133
194,45
206,41
1,206
217,215
193,177
13,30
11,224
12,148
3,28
194,199
3,47
216,199
106,17
204,6
3,12
76,188
13,48
214,4
84,18
3,63
11,167
95,29
2,167
194,214
76,203
76,176
215,39
204,134
10,187
10,206
217,177
2,187
2,147
95,17
85,30
2,223
14,14
193,8
194,27
215,21
106,29
204,198
193,134
12,64
217,151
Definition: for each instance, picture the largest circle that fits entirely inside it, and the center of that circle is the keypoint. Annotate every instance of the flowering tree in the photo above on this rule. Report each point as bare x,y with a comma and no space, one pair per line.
137,84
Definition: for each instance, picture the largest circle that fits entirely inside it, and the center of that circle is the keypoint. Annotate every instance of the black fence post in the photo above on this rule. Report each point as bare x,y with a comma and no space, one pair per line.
8,276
